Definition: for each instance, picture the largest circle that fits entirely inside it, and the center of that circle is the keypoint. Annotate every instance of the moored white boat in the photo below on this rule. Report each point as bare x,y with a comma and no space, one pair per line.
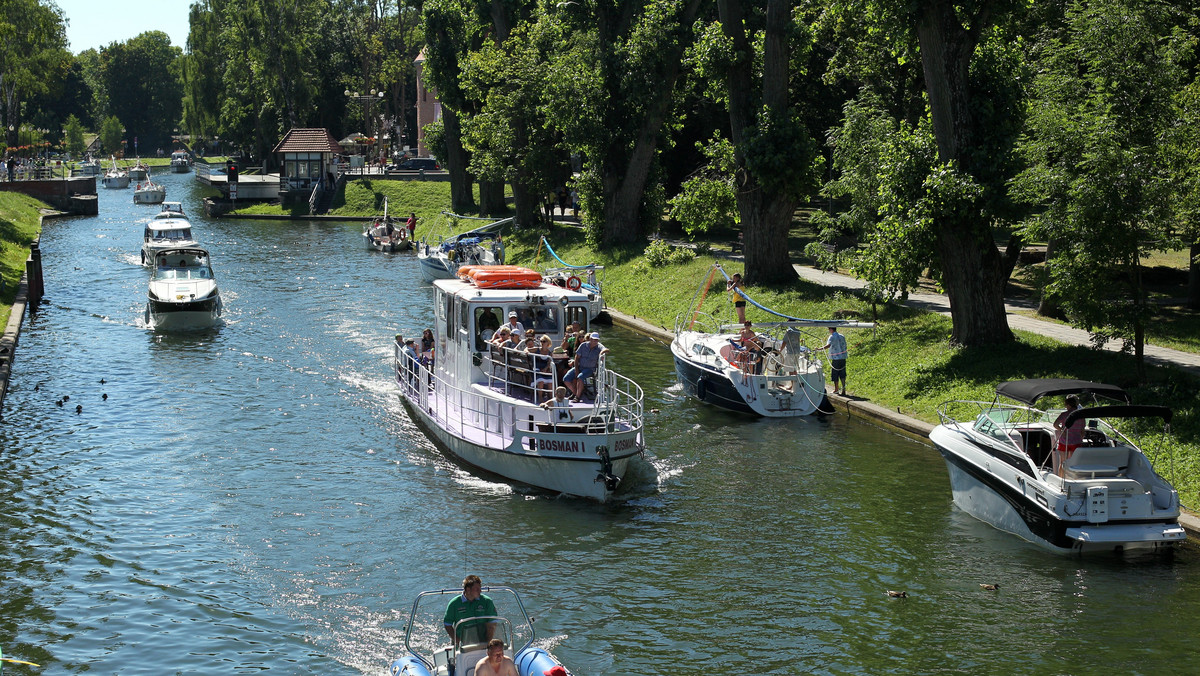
585,278
115,177
430,651
139,171
441,258
183,290
481,402
1106,495
382,234
181,163
149,192
168,229
88,168
781,376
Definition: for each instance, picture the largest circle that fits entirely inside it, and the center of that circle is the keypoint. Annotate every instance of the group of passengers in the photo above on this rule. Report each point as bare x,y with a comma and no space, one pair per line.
580,351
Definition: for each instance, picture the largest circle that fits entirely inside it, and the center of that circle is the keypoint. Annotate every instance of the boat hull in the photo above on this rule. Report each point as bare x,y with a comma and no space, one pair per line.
980,487
755,396
434,267
529,662
193,314
577,476
149,196
180,167
115,182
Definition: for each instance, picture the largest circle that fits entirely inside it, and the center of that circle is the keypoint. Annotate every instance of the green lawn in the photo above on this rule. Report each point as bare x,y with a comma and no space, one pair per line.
20,224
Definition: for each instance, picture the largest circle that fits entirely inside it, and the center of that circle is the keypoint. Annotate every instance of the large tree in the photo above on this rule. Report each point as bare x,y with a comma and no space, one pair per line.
33,58
141,77
1102,139
611,92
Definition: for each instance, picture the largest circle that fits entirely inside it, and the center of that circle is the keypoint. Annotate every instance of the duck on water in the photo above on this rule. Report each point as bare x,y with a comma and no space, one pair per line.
481,402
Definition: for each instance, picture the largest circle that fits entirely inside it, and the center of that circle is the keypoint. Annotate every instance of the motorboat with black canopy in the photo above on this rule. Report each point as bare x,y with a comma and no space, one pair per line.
780,374
1104,495
431,652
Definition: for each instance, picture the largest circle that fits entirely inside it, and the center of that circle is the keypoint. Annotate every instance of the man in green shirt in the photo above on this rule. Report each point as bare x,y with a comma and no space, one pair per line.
470,603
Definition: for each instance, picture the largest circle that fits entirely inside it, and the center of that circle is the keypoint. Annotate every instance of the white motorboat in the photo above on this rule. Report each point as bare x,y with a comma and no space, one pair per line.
382,234
780,376
585,278
442,258
139,171
115,177
479,402
181,163
88,168
425,638
183,291
168,229
1106,495
149,192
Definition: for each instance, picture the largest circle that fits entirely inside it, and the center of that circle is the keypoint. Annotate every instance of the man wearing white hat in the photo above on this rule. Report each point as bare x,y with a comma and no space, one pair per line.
587,360
515,326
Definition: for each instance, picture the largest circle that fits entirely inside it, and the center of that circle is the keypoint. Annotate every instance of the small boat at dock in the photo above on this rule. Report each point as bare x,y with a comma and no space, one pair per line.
585,278
778,375
430,651
1008,469
383,234
482,403
441,258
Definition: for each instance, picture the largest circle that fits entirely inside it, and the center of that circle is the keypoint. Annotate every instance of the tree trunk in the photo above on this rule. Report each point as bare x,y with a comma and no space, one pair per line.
766,220
971,265
457,159
525,205
1193,293
491,198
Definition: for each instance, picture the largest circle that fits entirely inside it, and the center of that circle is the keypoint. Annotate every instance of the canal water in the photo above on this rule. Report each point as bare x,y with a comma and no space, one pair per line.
255,498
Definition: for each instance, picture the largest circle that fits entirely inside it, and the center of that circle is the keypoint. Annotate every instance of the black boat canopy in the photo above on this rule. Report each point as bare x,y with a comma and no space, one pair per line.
1119,412
1029,391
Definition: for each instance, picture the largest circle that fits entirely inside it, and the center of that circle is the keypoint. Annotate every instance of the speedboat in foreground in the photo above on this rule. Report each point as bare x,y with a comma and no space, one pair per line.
1106,495
183,291
780,376
480,402
180,162
115,177
168,229
149,192
577,278
441,259
425,638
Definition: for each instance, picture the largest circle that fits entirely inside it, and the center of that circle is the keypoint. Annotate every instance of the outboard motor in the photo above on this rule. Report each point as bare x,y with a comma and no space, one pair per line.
611,481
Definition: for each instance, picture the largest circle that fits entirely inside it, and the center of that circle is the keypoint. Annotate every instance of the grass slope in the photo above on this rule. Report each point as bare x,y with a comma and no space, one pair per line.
20,224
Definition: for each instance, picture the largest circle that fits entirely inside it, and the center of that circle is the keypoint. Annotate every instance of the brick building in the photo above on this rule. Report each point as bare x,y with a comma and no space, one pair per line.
429,109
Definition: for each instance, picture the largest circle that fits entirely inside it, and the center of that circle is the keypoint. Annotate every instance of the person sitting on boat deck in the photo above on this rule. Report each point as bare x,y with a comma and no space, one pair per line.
500,337
543,368
559,406
752,346
587,360
496,663
570,340
1069,438
515,325
530,341
471,603
733,286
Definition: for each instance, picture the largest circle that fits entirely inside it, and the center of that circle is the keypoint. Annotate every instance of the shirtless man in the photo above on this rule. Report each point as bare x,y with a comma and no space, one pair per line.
496,663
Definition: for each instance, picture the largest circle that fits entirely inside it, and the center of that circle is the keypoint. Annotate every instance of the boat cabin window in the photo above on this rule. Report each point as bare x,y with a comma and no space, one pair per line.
578,314
487,320
545,320
447,313
525,316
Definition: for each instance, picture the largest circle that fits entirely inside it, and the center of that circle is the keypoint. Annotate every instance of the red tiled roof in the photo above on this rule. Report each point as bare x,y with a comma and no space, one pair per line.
308,141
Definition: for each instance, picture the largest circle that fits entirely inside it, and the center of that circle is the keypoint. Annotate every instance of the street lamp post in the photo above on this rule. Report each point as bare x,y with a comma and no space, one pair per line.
367,101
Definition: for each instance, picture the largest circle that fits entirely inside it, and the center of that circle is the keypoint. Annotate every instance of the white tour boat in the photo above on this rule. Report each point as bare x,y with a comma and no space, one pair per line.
431,653
115,177
168,229
577,278
442,258
183,290
1106,496
180,162
149,192
782,376
481,402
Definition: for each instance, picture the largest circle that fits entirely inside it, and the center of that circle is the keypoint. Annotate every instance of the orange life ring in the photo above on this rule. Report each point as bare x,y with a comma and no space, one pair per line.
574,283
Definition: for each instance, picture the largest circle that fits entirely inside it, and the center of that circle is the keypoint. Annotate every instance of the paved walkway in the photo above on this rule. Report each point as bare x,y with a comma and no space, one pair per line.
933,302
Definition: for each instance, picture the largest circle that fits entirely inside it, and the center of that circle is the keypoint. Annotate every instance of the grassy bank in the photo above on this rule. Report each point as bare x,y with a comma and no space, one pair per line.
906,364
20,224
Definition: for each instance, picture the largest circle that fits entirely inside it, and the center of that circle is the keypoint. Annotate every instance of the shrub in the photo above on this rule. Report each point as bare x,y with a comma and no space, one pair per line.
658,253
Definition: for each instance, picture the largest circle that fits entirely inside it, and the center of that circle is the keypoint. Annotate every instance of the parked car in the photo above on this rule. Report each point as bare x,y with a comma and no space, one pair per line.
426,163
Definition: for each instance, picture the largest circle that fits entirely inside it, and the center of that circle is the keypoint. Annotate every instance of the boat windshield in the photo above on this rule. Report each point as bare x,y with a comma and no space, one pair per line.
179,234
427,634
